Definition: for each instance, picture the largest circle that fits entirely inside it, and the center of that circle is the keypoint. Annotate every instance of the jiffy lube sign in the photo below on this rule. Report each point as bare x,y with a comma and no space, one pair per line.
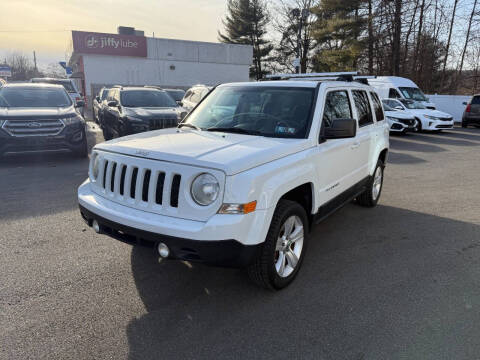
109,44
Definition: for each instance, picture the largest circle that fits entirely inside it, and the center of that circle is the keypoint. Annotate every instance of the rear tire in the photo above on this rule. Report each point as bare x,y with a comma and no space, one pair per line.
282,253
82,151
464,124
370,197
107,135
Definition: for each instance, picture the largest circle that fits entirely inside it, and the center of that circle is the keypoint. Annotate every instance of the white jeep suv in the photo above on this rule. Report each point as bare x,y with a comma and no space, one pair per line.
244,177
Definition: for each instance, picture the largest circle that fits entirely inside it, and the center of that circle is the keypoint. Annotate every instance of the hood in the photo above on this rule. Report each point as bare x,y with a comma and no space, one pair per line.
231,153
37,113
399,115
151,112
430,112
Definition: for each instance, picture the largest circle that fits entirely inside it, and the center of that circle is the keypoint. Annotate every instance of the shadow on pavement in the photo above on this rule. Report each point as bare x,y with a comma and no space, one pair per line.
411,143
400,158
365,291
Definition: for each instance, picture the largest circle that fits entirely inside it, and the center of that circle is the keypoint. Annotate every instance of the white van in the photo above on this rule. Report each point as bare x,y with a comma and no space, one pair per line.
395,87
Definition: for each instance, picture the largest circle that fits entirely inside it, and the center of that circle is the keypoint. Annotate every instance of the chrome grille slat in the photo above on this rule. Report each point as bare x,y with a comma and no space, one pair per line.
42,127
152,195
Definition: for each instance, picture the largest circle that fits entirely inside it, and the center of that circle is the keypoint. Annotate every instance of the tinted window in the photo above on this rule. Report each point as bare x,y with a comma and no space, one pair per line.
146,98
393,94
104,94
363,107
337,106
67,84
177,95
476,100
33,97
259,110
377,106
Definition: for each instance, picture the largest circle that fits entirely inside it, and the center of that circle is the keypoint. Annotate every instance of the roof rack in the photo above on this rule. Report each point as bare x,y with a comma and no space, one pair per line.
330,76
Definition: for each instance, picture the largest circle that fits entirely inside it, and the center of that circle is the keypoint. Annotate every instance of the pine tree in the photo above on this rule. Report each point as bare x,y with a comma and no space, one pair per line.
245,23
339,32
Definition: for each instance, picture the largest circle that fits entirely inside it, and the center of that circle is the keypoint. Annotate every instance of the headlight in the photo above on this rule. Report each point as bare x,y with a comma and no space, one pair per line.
432,117
71,120
392,119
205,189
95,166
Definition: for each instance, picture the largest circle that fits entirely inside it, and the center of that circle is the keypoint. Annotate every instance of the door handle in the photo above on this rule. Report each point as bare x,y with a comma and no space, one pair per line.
355,145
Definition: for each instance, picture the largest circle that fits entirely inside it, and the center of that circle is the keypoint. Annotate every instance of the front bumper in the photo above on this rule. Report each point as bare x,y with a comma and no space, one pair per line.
223,240
429,124
71,138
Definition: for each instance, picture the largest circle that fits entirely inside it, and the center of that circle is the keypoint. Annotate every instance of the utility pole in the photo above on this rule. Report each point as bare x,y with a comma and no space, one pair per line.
35,62
301,15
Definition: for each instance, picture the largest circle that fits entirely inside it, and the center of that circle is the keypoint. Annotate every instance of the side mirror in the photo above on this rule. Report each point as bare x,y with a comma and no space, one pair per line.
80,103
341,129
112,103
465,103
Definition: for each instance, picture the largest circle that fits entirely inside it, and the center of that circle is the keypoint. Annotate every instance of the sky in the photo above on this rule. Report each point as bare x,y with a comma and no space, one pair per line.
45,25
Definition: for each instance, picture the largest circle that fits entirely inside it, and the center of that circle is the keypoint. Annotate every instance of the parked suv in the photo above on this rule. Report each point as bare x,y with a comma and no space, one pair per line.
98,104
471,115
243,189
194,95
69,86
39,117
131,110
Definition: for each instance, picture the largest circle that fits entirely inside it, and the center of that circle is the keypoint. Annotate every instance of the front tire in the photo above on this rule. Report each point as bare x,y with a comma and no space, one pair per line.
282,253
418,125
370,197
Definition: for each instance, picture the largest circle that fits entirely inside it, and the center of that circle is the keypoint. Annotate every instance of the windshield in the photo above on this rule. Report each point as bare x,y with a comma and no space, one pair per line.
146,98
410,104
258,110
177,95
413,93
34,97
388,108
67,84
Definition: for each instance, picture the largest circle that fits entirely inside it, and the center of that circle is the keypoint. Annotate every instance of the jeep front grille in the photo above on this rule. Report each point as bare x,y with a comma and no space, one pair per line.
43,127
164,123
138,183
154,186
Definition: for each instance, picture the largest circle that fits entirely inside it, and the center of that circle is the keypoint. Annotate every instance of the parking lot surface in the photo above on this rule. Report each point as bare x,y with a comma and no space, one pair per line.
399,281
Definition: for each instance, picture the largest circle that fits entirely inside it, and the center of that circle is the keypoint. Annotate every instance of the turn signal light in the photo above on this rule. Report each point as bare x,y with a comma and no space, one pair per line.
238,208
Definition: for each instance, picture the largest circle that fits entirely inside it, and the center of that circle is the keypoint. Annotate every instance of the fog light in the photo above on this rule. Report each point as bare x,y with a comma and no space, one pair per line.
163,250
96,226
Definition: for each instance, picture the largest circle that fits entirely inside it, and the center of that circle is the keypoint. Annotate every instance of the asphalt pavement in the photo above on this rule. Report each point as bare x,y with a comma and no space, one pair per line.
399,281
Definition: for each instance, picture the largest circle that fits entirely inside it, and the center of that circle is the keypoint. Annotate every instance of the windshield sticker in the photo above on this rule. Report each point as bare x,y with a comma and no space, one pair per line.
284,130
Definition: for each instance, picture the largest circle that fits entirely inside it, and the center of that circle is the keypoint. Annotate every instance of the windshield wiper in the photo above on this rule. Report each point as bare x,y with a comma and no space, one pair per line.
235,130
189,125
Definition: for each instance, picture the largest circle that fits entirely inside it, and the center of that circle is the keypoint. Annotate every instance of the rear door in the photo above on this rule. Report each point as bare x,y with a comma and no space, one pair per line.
365,134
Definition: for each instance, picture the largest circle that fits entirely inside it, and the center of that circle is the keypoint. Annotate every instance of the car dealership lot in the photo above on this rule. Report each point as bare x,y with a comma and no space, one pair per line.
397,281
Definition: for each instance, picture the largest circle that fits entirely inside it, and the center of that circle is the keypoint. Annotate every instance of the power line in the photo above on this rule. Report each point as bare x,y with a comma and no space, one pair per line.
31,31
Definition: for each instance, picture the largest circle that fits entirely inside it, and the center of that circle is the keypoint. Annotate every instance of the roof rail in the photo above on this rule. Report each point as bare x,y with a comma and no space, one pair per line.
310,75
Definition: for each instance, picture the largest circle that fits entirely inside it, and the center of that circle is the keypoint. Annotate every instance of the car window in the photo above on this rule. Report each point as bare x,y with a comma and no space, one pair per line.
362,104
187,95
104,94
111,92
116,96
476,100
393,93
16,97
147,98
337,106
196,96
377,106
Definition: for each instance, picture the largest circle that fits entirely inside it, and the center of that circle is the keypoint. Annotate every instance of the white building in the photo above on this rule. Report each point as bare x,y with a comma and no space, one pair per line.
127,59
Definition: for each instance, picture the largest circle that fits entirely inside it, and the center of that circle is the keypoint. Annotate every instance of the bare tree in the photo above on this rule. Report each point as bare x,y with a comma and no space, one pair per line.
447,48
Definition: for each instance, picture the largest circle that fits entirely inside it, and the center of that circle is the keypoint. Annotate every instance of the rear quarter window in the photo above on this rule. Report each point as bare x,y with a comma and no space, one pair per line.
476,100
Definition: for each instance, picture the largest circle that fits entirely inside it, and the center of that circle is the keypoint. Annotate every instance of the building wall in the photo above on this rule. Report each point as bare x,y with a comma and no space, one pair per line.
173,63
451,104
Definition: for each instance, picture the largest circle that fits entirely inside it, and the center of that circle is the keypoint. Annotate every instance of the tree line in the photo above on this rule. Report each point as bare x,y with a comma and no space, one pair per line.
436,43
